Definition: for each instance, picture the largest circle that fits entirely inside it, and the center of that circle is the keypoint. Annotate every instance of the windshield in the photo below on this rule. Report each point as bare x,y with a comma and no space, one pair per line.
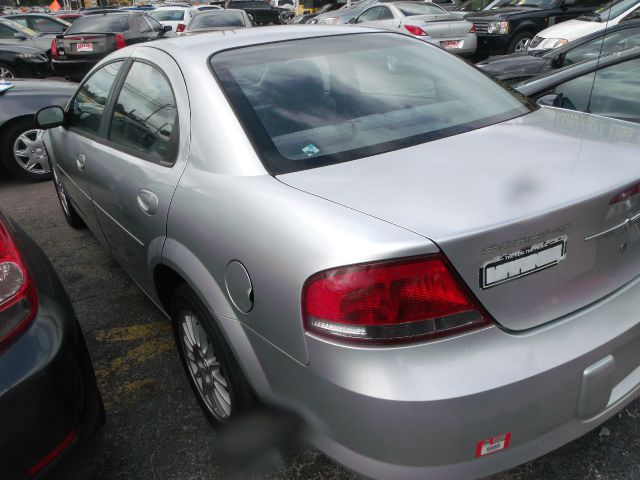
17,26
104,23
220,18
412,9
168,15
473,5
313,102
614,9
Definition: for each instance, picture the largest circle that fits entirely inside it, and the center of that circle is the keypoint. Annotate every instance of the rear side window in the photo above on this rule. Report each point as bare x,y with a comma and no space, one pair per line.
145,116
88,105
103,23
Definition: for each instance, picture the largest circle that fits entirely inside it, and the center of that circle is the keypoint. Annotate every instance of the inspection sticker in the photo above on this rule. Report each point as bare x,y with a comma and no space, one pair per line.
493,444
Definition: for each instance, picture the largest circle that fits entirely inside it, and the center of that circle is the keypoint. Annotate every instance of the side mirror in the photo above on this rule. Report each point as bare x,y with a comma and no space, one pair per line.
353,20
20,36
550,100
50,117
558,61
167,28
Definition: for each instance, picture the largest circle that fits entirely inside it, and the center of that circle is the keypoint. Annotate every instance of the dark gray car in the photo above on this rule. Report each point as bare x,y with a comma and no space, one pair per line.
12,33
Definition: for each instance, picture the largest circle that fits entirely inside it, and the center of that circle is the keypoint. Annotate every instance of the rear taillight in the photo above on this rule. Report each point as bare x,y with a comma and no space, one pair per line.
181,27
626,194
18,300
473,28
120,42
396,301
54,49
413,30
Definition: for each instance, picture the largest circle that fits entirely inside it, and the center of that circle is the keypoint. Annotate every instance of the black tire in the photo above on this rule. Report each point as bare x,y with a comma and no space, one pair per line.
186,302
7,140
69,212
10,70
519,37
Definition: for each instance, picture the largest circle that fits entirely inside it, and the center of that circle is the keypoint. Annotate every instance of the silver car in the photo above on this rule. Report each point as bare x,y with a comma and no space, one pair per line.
441,281
426,21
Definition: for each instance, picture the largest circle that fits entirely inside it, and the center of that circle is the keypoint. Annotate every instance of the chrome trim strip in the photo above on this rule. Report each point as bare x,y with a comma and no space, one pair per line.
626,225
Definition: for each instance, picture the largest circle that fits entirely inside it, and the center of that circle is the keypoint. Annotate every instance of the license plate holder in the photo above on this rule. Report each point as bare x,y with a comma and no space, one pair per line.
450,44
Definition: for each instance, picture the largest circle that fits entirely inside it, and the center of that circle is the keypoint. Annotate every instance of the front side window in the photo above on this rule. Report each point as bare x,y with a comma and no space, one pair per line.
313,102
574,94
21,20
88,105
370,15
615,91
47,25
145,114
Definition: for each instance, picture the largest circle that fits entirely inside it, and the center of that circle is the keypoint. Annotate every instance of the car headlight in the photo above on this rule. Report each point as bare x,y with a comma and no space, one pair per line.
329,20
501,28
27,56
548,43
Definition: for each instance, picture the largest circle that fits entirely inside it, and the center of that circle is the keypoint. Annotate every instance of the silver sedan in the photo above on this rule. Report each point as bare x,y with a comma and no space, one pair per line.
442,282
426,21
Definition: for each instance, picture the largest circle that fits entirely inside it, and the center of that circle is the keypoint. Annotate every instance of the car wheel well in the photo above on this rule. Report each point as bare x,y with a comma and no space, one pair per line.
166,280
14,120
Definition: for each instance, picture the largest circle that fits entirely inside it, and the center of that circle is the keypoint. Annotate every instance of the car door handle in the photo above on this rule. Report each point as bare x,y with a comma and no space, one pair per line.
147,201
80,159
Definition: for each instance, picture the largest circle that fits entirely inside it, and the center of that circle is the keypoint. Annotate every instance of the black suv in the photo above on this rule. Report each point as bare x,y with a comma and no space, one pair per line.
510,28
261,12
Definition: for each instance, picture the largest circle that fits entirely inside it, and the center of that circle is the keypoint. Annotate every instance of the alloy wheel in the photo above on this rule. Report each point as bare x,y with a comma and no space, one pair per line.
204,367
522,45
30,153
6,73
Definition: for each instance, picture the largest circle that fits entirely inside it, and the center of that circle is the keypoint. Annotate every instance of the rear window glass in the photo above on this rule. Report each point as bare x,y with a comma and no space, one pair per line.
106,23
411,9
217,19
168,15
313,102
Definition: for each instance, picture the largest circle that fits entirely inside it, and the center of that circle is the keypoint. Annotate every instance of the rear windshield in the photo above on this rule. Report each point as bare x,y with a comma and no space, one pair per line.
168,15
219,18
412,9
313,102
102,23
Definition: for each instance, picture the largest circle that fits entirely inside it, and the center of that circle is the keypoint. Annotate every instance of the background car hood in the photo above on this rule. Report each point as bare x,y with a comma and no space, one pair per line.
500,14
38,87
571,29
548,176
514,65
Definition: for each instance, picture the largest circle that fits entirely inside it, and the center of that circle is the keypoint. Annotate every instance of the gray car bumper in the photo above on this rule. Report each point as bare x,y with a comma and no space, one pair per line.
418,412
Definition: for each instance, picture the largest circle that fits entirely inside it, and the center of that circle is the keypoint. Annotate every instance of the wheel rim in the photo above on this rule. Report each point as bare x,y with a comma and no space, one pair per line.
61,193
204,367
522,44
6,73
30,153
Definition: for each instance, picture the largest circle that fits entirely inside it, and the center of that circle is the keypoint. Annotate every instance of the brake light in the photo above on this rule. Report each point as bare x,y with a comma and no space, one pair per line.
417,31
625,194
18,300
473,28
180,28
54,49
396,301
120,42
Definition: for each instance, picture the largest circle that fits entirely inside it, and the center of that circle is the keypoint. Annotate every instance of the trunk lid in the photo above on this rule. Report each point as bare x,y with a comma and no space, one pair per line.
440,26
510,205
88,45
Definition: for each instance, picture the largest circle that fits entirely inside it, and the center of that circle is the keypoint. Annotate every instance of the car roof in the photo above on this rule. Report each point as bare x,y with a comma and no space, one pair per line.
206,44
538,84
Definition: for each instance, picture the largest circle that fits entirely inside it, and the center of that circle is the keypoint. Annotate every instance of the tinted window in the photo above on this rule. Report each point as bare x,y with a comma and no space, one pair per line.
613,42
47,25
145,113
155,25
409,9
385,14
574,94
143,26
615,91
168,15
16,26
370,15
89,103
615,8
102,23
6,32
313,102
219,18
635,15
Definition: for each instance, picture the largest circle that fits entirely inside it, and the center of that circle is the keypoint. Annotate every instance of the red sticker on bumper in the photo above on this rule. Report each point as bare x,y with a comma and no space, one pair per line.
493,444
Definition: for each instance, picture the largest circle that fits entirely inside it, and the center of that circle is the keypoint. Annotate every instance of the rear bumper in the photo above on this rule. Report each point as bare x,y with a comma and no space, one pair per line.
419,412
467,45
72,68
47,384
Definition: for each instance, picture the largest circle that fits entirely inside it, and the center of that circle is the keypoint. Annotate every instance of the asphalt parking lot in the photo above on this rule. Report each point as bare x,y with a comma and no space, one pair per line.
154,428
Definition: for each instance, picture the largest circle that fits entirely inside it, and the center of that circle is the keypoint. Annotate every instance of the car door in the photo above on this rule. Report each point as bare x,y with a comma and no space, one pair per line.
74,144
137,167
